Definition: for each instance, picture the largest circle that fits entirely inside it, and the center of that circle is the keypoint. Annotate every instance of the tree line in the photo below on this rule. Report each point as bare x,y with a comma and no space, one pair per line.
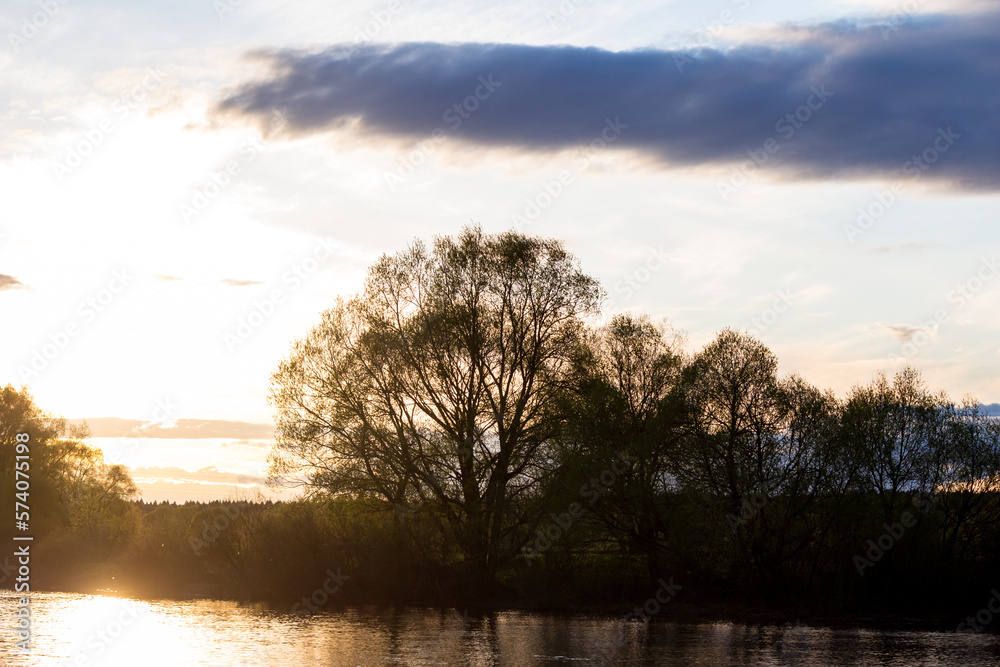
465,387
465,430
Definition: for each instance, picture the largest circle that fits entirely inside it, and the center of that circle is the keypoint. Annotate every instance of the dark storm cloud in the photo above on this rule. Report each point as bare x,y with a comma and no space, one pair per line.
891,97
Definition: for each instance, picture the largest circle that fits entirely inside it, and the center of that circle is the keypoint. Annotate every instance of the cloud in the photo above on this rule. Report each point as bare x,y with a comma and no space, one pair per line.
232,282
10,282
880,98
904,333
207,475
114,427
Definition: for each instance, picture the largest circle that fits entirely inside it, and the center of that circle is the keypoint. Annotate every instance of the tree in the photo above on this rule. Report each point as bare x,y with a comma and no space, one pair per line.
70,482
734,407
967,466
437,385
622,423
19,414
893,431
756,445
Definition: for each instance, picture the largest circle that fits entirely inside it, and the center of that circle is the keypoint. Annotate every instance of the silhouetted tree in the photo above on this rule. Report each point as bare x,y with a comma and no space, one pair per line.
754,448
437,385
622,434
892,432
71,484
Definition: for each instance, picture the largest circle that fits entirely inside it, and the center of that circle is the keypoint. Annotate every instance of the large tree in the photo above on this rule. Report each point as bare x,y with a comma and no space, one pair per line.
437,385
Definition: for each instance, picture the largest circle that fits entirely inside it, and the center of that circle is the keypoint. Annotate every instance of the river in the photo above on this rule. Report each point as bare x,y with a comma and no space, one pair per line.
87,630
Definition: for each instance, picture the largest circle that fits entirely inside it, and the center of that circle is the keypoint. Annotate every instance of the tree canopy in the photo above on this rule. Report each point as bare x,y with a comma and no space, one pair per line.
71,485
438,384
466,385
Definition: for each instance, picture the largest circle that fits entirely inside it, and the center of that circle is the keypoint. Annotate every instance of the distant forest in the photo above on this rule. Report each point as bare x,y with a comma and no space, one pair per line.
464,434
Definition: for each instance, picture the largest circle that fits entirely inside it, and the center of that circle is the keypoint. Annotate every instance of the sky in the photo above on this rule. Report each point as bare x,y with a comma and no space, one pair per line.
188,185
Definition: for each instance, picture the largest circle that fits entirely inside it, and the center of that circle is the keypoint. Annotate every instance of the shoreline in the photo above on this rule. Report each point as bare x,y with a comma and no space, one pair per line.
672,613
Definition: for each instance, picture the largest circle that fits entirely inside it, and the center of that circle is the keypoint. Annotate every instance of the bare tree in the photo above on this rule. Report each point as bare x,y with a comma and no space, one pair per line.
436,385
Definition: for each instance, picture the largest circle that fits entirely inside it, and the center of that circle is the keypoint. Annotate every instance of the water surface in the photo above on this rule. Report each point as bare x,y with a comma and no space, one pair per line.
71,629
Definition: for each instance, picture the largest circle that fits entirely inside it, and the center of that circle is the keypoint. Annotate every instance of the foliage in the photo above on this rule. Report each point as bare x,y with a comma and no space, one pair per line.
436,386
464,436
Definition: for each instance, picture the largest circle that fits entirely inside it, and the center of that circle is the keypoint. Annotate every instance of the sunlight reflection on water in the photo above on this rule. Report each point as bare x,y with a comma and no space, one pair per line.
85,630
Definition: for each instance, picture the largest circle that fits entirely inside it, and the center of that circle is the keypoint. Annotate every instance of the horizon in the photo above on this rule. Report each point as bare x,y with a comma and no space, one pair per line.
120,441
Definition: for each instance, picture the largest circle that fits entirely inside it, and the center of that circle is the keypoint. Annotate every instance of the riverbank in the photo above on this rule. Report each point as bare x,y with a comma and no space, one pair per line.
714,612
